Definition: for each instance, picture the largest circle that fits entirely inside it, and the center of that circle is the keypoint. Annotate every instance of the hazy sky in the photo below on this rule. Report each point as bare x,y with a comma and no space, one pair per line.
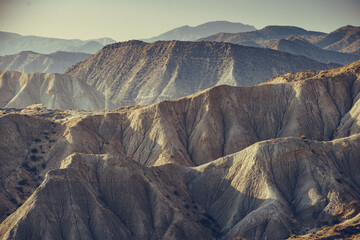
136,19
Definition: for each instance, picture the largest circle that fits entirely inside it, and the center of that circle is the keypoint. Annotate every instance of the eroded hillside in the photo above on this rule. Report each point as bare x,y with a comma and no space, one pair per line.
20,90
268,161
144,73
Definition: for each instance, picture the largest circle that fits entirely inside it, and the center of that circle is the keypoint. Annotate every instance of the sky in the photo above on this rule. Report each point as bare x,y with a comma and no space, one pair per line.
137,19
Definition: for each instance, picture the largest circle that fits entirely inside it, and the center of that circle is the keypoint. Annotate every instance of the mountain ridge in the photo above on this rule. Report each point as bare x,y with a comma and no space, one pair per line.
15,43
143,73
29,61
187,33
262,37
345,39
299,46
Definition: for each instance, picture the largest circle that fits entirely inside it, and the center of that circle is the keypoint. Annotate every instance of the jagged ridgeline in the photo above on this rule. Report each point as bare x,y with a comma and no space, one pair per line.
261,162
144,73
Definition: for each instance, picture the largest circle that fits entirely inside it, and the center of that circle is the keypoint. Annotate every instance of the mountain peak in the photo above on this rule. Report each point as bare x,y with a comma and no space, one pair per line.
345,39
188,33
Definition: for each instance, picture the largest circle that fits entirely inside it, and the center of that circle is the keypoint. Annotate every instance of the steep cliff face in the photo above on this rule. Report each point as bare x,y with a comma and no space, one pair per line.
268,161
141,73
20,90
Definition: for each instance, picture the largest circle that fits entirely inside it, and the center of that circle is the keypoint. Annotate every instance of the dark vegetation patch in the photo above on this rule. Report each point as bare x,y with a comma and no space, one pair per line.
34,150
23,182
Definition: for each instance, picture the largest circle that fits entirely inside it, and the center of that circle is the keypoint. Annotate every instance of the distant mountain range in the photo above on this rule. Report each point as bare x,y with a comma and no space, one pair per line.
187,33
19,90
345,39
144,73
263,37
12,43
29,62
299,46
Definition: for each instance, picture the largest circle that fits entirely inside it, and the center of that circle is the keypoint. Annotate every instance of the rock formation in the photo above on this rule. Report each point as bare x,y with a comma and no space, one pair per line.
145,73
30,62
259,162
19,90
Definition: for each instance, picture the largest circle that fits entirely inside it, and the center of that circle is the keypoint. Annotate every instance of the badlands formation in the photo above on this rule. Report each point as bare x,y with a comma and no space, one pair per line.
19,90
272,161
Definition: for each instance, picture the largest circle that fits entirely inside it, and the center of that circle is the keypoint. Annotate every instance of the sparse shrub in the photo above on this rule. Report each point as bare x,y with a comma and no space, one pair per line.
25,165
351,230
23,182
14,201
37,140
33,158
176,193
205,222
34,150
208,217
338,180
20,189
187,206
